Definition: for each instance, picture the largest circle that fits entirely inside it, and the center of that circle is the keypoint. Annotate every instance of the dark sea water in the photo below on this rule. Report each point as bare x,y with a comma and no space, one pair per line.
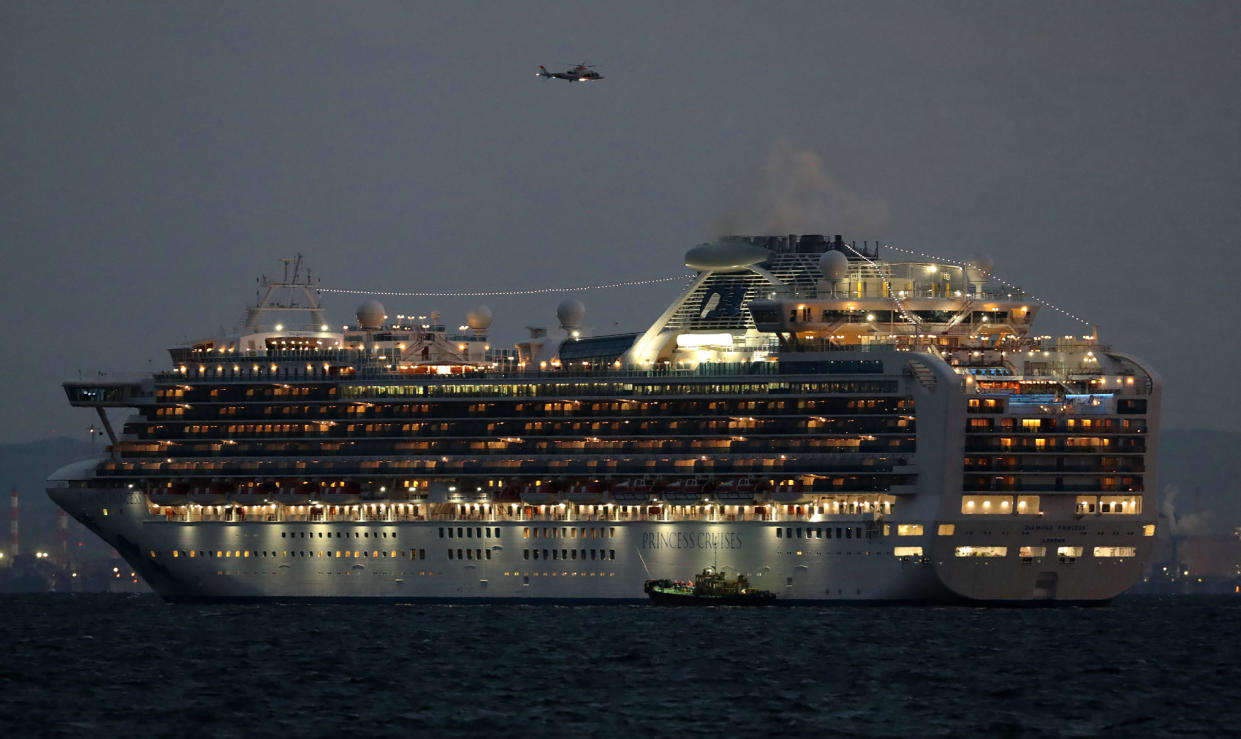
107,665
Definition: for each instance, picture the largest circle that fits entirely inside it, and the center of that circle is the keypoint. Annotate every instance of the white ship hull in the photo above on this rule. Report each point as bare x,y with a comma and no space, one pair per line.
410,561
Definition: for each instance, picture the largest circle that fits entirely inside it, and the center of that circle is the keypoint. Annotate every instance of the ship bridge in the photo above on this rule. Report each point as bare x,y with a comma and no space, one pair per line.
105,393
110,393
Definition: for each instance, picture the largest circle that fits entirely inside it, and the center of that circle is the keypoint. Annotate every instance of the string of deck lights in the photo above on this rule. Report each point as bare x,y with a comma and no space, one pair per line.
493,293
995,277
671,278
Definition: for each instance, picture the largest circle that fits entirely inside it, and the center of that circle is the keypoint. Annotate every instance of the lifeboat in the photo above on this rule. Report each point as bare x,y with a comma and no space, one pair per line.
508,494
788,491
739,490
340,493
684,492
170,494
586,493
541,494
632,492
254,493
216,493
299,494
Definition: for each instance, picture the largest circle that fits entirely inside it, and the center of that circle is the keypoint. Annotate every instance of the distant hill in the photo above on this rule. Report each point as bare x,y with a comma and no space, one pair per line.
1199,482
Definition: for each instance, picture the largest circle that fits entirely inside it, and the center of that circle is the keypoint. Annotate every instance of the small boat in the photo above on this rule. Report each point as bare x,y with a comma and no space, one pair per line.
215,493
254,493
543,493
736,490
710,588
684,492
788,491
632,491
169,494
508,494
340,493
299,494
584,493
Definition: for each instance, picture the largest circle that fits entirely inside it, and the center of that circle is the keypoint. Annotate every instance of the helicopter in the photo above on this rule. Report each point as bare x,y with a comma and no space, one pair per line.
581,72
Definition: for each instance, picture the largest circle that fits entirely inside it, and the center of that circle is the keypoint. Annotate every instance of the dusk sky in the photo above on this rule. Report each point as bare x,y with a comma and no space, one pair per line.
157,157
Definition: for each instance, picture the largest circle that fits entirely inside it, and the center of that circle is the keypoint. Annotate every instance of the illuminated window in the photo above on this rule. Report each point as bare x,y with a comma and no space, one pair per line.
1123,504
909,529
1068,552
982,551
986,504
1115,551
907,551
946,529
1032,552
1148,530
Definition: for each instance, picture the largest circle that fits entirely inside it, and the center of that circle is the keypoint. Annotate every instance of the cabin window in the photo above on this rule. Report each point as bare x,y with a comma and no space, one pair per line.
982,551
1115,551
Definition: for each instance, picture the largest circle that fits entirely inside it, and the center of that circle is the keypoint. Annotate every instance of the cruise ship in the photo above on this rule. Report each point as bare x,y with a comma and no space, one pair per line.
836,426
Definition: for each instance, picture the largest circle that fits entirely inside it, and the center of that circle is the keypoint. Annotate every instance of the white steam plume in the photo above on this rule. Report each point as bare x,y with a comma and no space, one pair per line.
1197,523
793,191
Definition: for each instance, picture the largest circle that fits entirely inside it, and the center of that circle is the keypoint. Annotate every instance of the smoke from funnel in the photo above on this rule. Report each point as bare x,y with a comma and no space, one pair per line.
793,191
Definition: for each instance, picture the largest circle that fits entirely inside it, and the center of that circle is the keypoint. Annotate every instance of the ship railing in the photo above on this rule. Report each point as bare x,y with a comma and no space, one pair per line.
922,289
774,513
226,373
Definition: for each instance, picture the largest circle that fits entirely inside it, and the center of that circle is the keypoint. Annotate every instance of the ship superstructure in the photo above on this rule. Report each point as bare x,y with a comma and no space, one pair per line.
834,426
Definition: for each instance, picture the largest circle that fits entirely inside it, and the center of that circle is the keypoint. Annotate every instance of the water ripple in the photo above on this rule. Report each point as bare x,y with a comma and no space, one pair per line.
91,665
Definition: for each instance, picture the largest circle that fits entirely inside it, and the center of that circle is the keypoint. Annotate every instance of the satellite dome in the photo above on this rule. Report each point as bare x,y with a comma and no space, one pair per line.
570,313
834,265
371,314
479,319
